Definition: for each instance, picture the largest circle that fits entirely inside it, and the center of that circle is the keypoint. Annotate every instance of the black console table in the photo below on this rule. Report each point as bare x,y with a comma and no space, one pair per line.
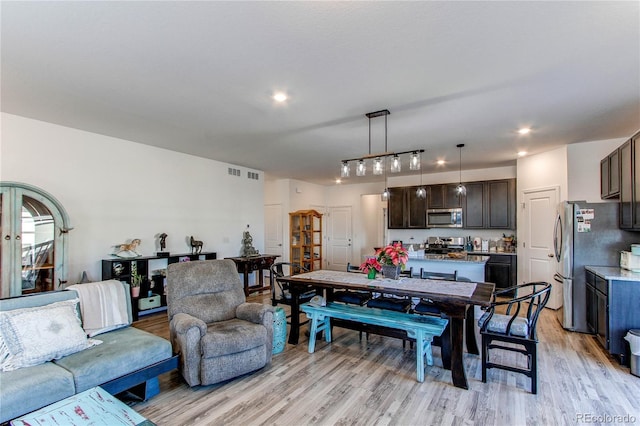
248,265
152,293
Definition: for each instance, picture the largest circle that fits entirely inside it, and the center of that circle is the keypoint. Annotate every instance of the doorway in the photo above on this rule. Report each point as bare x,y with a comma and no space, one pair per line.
273,236
537,239
340,238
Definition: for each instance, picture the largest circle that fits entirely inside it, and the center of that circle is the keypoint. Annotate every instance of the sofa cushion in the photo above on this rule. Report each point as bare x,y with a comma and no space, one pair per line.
123,351
32,336
28,389
232,336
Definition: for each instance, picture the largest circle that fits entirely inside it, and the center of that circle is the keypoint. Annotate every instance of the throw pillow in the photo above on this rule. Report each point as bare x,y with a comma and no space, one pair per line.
33,336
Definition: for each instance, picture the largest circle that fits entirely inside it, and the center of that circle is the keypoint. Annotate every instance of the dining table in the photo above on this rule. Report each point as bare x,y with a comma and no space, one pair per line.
455,299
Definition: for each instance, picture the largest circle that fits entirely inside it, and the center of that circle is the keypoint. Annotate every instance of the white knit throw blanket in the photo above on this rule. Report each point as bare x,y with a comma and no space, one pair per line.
103,305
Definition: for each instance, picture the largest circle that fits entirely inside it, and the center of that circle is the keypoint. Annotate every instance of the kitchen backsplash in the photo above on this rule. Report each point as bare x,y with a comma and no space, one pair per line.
417,236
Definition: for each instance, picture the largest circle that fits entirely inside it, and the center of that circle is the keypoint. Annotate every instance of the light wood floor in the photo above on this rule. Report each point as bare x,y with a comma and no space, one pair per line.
374,382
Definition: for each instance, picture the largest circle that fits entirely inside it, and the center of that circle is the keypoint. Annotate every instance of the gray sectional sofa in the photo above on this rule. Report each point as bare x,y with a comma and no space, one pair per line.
128,359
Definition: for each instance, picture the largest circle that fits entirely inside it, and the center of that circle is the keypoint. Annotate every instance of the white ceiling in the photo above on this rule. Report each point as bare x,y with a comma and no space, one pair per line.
197,77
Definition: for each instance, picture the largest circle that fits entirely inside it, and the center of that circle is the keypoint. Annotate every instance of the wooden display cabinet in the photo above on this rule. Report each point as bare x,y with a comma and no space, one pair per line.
305,238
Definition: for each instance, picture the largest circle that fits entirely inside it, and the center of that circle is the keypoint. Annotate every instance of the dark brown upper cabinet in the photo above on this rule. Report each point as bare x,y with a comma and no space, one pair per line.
490,205
443,196
406,209
610,176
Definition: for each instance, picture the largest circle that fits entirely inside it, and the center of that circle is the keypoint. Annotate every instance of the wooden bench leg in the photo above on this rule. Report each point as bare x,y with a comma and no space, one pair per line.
319,323
423,350
420,355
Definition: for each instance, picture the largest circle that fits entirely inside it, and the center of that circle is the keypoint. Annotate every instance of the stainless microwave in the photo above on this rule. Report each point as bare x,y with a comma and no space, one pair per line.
444,218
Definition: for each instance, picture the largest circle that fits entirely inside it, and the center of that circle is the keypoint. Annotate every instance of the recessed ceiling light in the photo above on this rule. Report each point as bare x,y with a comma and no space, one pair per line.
524,131
280,97
522,153
440,162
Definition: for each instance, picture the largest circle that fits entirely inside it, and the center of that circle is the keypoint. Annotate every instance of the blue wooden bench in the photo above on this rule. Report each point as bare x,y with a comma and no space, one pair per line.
419,327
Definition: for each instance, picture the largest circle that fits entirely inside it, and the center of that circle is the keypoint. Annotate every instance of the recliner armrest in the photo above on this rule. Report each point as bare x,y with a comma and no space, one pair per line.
253,312
182,323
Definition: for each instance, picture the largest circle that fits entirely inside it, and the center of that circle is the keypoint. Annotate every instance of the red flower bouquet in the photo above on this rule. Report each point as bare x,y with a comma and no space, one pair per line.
393,255
371,264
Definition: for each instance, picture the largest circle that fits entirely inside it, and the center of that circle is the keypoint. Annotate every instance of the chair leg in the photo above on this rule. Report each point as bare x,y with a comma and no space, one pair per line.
534,369
485,356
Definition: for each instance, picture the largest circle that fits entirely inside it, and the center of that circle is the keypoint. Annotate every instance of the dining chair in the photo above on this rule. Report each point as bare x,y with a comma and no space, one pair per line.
391,302
426,306
512,331
280,293
352,297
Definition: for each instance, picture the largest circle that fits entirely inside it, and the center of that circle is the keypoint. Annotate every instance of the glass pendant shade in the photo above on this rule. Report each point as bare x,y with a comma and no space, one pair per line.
385,195
421,192
461,189
344,169
378,166
361,168
395,164
414,161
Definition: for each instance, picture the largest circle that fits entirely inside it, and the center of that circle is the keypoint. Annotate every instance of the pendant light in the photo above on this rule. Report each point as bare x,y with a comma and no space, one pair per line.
395,164
385,194
414,161
344,170
421,192
461,190
378,162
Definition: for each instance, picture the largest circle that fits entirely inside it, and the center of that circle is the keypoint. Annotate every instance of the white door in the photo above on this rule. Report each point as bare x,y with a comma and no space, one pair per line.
273,230
339,235
537,240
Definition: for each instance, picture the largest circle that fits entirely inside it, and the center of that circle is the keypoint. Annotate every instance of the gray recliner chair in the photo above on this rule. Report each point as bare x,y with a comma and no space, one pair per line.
216,333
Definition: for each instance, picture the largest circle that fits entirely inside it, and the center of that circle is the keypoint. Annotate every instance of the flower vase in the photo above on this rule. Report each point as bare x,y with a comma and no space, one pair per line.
371,274
391,271
135,292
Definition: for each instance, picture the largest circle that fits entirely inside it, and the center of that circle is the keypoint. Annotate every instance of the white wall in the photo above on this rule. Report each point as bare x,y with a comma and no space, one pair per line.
115,190
583,168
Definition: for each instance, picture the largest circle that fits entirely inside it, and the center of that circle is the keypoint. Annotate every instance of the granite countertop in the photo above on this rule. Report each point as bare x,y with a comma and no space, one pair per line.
614,273
470,258
487,253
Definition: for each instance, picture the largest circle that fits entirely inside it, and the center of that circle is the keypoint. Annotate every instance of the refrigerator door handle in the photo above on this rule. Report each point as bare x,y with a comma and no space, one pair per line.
558,278
556,243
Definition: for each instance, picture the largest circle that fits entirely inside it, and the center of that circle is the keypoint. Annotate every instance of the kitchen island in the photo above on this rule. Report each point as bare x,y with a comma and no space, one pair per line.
470,266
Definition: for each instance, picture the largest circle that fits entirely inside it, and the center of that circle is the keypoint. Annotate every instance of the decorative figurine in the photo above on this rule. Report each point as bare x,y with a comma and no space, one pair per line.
247,247
196,246
163,244
128,250
84,278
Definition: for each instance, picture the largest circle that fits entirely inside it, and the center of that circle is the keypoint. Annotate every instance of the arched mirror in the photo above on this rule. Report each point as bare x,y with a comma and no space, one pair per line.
34,228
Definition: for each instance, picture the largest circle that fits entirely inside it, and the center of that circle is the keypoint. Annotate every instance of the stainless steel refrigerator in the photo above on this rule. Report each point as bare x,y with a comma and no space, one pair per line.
585,234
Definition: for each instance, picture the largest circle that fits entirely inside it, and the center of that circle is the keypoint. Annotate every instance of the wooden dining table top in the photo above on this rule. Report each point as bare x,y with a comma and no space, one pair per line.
453,292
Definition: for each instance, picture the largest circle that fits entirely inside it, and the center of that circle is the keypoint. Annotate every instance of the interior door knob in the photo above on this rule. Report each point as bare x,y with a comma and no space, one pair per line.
550,255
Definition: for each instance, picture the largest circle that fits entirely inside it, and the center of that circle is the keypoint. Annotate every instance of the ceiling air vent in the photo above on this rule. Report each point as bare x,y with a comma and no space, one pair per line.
234,172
